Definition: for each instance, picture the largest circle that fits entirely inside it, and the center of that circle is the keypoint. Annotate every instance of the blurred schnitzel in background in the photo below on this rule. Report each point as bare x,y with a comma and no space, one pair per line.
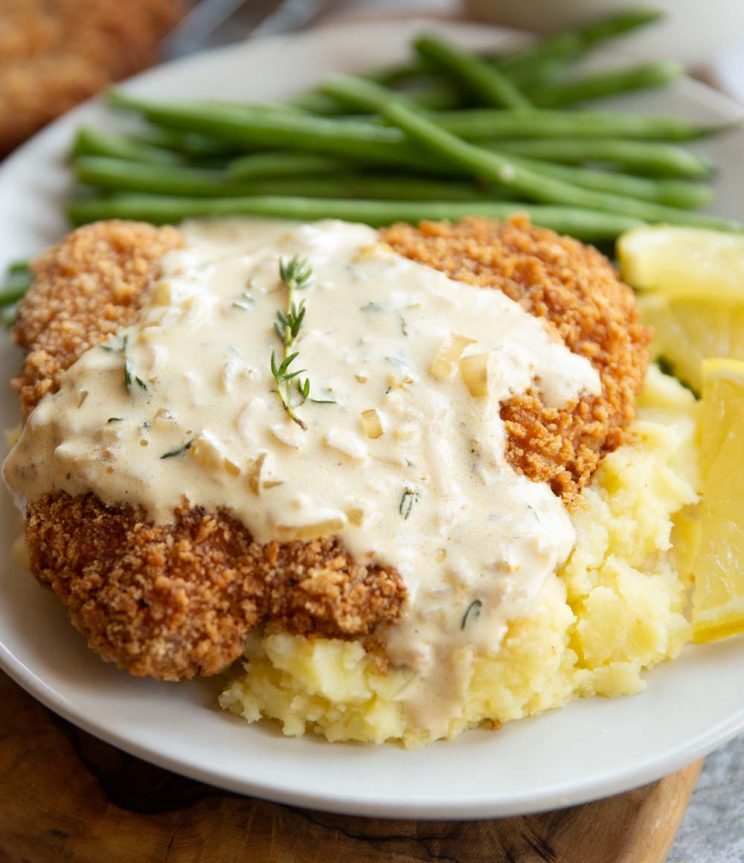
55,53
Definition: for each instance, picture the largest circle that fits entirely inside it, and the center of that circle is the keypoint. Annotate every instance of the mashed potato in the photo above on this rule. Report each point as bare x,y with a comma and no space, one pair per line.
616,608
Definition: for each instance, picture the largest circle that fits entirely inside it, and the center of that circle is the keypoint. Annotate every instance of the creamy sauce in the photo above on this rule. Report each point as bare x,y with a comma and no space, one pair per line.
404,462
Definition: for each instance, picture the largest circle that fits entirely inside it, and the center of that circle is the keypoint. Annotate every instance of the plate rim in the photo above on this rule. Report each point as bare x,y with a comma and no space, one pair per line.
592,789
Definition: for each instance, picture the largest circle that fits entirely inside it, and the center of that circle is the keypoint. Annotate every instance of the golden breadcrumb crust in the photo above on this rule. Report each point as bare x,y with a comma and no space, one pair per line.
177,600
55,53
578,290
85,289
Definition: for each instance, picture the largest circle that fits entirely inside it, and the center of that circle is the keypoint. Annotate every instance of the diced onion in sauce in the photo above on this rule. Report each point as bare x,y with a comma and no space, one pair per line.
474,371
444,363
372,424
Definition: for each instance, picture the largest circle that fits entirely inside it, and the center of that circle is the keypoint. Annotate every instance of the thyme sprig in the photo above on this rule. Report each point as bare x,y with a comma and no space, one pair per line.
296,275
283,378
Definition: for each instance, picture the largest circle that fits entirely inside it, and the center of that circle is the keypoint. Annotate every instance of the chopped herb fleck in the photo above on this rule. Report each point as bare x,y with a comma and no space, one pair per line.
245,302
407,500
665,366
403,326
371,307
129,374
178,451
472,613
115,419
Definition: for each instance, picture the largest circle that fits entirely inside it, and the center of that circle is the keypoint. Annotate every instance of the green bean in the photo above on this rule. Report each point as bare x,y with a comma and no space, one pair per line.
124,175
674,193
15,287
377,187
8,315
358,140
364,140
497,168
127,101
161,139
600,85
115,175
567,45
390,76
610,27
538,75
523,66
21,266
580,223
482,123
644,157
573,43
433,96
258,165
194,146
94,142
483,80
12,293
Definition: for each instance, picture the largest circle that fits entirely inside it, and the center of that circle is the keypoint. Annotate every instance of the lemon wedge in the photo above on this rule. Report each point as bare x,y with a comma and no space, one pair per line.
692,293
683,261
689,329
718,596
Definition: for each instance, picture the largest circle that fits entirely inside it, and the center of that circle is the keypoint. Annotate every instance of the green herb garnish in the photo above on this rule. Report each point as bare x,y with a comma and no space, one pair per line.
408,499
303,388
130,377
472,613
296,275
178,451
245,302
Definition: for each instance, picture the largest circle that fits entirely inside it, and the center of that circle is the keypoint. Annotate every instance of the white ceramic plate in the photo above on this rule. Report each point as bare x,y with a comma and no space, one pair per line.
590,749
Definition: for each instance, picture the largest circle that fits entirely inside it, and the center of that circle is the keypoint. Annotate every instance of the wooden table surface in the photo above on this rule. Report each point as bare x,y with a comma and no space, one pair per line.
65,796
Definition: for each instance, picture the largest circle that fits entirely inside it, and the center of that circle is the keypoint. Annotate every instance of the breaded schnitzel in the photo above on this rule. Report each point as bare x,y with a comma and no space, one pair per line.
55,53
579,292
177,600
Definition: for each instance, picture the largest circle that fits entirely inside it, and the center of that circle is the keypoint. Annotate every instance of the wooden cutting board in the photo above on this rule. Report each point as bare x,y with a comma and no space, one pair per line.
65,797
